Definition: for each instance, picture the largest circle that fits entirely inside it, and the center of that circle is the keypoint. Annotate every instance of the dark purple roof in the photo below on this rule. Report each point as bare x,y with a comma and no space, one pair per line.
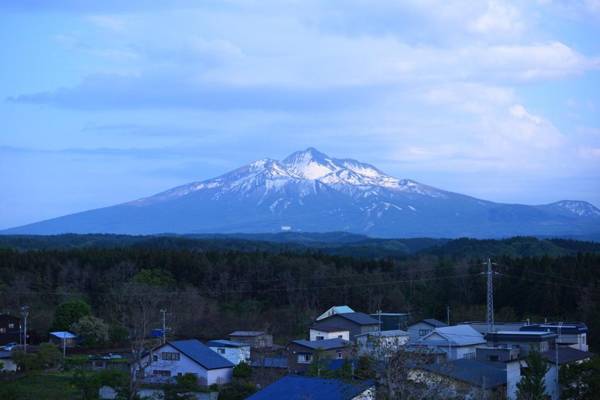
201,354
326,344
566,355
358,318
294,387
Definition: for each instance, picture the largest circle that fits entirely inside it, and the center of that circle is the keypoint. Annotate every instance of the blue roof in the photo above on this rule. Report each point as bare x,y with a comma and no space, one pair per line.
325,344
201,354
338,363
359,318
293,387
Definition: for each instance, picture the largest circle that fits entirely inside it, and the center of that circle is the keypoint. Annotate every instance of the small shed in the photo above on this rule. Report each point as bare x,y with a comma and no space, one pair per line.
256,339
63,338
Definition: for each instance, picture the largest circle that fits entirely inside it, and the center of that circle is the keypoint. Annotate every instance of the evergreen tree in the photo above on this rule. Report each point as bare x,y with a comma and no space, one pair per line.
531,386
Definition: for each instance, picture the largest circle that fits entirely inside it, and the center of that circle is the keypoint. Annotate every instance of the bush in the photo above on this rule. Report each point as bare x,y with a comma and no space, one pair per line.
69,313
242,371
93,331
49,355
236,391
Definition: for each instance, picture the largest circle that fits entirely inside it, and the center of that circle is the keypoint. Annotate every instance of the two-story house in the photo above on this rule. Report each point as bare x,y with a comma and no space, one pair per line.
457,341
572,334
343,326
10,329
525,341
422,328
180,357
301,353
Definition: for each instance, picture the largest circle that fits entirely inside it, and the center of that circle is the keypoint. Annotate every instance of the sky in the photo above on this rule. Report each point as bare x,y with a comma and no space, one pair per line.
106,102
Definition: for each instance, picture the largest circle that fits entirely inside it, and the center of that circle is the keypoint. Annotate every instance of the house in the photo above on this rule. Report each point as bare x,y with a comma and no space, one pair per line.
525,341
566,355
180,357
10,329
335,310
293,387
235,352
63,339
301,353
256,339
457,341
392,321
572,334
419,329
381,343
354,323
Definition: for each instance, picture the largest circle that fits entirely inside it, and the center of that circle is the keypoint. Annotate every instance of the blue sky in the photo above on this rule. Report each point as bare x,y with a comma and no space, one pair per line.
106,102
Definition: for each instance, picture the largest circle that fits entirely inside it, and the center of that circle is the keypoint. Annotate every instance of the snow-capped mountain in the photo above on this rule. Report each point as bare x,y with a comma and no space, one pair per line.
310,191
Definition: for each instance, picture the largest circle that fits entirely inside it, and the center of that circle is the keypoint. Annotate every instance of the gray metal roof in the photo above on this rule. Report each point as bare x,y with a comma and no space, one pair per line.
566,355
201,354
477,373
326,344
456,335
247,333
433,322
359,318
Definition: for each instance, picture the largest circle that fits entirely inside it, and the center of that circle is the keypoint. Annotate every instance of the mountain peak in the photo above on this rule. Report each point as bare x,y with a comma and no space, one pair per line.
310,163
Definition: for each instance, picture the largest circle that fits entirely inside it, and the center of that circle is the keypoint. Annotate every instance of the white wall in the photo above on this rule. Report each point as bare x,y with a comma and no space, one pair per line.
234,354
8,365
513,377
219,376
550,382
329,335
183,366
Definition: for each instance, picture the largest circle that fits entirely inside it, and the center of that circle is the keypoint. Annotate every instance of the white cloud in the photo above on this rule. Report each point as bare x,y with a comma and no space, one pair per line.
499,18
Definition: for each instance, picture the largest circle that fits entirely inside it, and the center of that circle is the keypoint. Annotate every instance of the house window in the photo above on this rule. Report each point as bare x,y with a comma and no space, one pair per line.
221,351
423,332
304,358
11,326
2,330
161,372
155,358
320,337
339,354
170,356
340,336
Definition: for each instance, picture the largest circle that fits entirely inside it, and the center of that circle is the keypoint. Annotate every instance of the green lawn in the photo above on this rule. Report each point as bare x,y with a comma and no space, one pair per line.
39,386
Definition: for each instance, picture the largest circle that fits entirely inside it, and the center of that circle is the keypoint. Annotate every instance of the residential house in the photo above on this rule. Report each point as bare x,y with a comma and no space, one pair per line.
354,323
335,310
525,341
457,341
235,352
301,353
381,343
256,339
566,355
63,339
422,328
180,357
293,387
572,334
392,321
10,329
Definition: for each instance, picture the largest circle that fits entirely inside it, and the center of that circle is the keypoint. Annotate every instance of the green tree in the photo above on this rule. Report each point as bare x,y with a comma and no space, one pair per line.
531,386
154,277
364,368
242,371
26,361
236,391
93,331
581,381
69,313
49,355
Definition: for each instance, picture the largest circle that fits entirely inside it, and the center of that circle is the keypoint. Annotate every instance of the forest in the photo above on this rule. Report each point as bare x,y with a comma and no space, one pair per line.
212,286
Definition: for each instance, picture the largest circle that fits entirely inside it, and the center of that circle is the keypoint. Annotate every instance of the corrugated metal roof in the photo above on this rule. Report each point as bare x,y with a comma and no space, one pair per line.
271,362
434,322
360,318
293,387
390,333
566,355
326,344
477,373
247,333
457,335
201,354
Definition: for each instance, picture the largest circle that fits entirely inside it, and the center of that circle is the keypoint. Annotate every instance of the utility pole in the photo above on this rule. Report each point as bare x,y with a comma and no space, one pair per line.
25,314
490,296
556,361
448,315
164,325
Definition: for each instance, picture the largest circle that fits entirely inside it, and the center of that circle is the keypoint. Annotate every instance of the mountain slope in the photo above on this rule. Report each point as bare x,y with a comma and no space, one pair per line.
312,192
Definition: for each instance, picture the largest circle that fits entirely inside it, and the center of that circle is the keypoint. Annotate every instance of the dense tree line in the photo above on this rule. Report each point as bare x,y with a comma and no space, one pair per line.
210,292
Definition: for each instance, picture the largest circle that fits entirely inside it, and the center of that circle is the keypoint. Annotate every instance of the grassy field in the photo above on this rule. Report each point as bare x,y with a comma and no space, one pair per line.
39,386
